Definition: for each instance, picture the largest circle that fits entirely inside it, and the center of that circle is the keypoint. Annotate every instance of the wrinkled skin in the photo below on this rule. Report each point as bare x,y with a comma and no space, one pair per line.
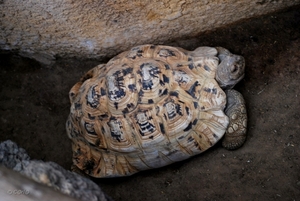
230,71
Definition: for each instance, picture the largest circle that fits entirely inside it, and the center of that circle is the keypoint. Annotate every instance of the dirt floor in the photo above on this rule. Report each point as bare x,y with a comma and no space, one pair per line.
34,106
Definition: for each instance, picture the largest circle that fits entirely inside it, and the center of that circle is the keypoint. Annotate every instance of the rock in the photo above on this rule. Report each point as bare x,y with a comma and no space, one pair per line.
48,173
98,29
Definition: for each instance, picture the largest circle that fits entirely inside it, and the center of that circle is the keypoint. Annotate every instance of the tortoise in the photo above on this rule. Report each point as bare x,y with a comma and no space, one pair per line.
154,105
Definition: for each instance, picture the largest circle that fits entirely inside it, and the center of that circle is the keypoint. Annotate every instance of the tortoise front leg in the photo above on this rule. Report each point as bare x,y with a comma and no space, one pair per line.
235,135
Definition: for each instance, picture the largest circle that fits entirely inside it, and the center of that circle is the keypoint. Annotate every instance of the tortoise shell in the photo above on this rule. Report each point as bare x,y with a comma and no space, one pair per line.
146,108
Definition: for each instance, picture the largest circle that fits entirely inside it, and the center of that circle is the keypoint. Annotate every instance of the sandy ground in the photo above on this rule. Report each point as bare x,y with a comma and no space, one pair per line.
34,106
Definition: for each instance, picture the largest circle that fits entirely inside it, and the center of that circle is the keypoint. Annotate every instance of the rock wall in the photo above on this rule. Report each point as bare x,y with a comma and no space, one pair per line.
43,29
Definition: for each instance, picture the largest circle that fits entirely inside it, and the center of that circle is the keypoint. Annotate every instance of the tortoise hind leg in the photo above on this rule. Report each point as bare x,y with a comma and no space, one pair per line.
235,135
75,169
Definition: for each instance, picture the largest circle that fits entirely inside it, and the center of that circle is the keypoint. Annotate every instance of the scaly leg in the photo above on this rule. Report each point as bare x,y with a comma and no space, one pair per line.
235,135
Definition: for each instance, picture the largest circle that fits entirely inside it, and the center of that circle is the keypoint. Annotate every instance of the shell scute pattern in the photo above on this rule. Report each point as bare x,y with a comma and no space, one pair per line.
122,92
146,108
145,127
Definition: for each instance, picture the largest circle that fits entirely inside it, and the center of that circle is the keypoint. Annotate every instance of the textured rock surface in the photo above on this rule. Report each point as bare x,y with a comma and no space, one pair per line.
48,173
17,187
42,29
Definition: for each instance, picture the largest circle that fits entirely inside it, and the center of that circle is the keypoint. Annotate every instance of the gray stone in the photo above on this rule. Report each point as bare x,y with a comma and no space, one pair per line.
50,174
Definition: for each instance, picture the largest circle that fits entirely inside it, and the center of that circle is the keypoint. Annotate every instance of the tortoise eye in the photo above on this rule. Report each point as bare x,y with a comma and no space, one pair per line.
234,68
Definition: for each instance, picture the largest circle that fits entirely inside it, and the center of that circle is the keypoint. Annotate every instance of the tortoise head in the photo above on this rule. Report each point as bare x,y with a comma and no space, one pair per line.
230,70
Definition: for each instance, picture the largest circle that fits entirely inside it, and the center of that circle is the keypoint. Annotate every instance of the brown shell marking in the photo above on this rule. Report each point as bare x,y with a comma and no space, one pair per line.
146,108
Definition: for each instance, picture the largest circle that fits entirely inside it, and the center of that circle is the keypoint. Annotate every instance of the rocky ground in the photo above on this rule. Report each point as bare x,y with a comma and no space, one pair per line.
34,106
